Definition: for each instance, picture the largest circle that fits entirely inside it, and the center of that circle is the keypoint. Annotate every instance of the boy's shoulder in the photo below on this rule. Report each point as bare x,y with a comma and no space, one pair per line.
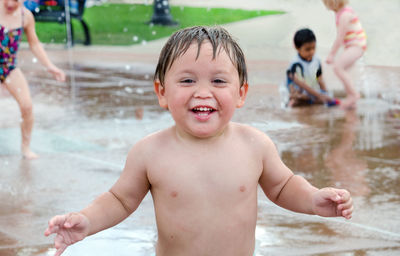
249,132
157,137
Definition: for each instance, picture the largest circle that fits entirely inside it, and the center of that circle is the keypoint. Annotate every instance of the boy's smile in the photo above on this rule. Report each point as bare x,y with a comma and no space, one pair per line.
203,113
201,93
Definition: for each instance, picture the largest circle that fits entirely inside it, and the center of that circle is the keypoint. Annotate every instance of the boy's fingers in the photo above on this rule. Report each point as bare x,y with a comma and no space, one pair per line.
59,242
54,224
72,220
57,220
344,196
344,207
339,195
348,213
51,230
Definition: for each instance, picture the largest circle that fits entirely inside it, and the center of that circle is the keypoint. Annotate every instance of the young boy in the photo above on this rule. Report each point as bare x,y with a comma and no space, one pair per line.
203,172
304,76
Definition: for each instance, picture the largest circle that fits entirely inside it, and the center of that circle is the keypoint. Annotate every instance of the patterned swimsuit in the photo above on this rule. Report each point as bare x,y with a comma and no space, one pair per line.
9,43
355,34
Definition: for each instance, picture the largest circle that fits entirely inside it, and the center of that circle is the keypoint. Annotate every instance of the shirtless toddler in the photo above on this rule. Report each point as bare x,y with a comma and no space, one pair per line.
204,171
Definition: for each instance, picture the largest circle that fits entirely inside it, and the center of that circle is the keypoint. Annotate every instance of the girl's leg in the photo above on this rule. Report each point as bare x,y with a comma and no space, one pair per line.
341,68
18,88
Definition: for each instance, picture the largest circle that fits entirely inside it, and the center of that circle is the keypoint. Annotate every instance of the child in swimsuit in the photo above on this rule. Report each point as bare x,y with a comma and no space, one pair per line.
351,35
14,20
203,172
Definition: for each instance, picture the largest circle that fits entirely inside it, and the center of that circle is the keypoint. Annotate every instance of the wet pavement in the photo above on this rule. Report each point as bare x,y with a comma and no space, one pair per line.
85,127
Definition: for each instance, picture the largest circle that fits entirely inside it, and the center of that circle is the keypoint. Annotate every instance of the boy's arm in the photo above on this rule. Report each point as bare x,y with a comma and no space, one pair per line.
37,48
321,83
308,88
108,209
123,198
281,186
294,193
340,34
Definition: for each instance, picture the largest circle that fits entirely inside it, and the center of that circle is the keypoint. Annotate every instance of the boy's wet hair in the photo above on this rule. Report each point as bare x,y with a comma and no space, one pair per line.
303,36
181,40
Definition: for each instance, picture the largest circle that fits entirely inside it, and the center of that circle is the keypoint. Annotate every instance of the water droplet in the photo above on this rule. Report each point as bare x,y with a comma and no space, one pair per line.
125,29
128,89
135,38
120,83
153,32
182,8
147,76
34,60
127,67
144,42
165,3
151,24
139,91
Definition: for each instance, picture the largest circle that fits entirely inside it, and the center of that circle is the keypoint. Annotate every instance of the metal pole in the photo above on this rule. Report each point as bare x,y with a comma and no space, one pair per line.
162,14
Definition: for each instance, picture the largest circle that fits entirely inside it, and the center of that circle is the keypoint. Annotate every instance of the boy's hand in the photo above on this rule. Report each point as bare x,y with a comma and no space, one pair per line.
70,228
58,74
332,202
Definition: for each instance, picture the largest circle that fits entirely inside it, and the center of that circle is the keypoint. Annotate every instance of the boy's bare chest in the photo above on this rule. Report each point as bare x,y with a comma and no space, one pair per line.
208,175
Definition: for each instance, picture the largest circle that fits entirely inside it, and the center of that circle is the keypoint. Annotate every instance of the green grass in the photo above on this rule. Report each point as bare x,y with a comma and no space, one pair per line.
127,24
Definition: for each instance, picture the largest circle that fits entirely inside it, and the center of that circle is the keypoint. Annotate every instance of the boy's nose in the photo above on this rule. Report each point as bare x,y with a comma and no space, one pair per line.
202,90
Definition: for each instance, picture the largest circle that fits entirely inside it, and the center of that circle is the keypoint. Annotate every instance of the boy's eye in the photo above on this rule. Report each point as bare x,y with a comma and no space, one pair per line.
219,81
187,81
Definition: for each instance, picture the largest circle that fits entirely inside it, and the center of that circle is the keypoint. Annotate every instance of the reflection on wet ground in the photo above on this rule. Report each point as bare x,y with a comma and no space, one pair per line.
83,133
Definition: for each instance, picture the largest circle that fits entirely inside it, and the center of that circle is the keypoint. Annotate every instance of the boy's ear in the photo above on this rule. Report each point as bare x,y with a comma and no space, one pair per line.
242,95
159,89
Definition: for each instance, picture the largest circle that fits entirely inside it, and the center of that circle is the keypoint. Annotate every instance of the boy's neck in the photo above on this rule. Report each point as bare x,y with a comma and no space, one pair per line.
305,59
186,137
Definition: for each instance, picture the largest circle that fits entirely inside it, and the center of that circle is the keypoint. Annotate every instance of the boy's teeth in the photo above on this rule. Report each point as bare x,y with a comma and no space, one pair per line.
203,109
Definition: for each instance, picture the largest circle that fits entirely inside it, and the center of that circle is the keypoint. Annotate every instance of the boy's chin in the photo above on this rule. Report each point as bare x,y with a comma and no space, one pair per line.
206,133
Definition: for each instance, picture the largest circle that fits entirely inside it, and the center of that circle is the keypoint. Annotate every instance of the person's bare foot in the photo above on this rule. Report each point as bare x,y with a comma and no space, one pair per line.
29,154
350,102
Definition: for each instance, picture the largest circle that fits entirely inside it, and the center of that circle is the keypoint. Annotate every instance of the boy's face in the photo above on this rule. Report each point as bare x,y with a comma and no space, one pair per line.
201,93
307,50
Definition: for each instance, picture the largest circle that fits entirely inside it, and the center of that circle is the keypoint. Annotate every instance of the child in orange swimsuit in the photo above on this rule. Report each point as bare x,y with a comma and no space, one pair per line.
14,19
351,35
